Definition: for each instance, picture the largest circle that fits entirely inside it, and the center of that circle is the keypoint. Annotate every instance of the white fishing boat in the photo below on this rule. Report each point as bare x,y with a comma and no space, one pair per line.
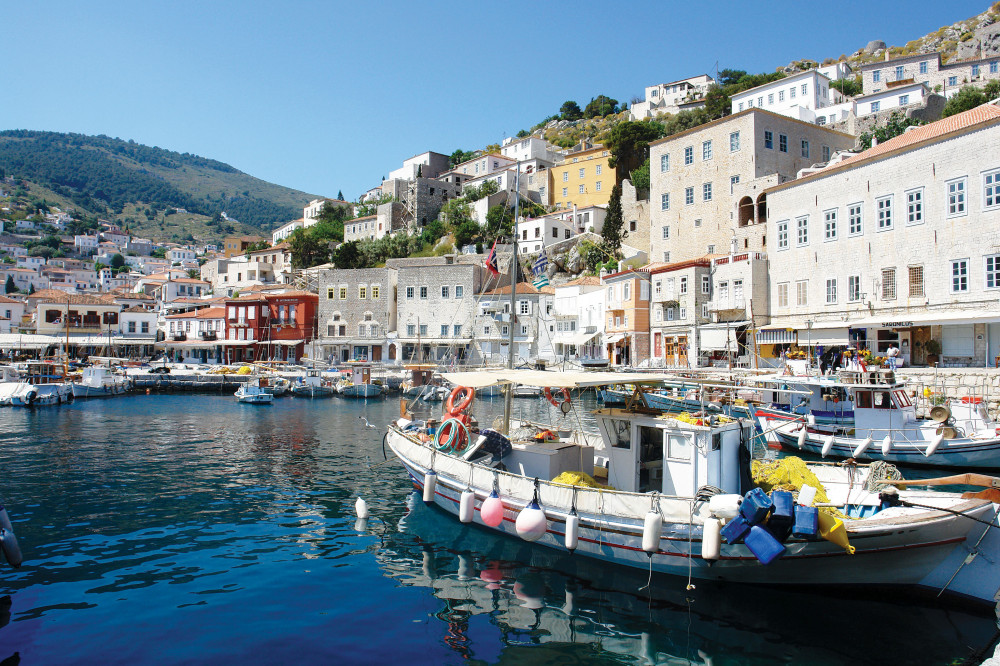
99,382
360,384
253,393
421,385
48,385
887,427
313,385
673,483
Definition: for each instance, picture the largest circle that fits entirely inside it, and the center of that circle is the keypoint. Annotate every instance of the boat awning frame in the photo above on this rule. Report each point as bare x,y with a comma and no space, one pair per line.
574,339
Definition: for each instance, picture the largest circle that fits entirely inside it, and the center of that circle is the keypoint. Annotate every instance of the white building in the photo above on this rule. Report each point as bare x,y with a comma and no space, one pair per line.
11,314
180,255
671,97
531,320
531,151
578,310
424,165
86,244
898,245
892,98
286,230
802,96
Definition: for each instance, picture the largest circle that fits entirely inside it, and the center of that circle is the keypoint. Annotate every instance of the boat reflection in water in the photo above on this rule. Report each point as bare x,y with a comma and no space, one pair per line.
499,596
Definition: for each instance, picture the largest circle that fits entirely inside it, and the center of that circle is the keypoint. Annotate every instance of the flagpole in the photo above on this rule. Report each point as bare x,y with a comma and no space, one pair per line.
513,288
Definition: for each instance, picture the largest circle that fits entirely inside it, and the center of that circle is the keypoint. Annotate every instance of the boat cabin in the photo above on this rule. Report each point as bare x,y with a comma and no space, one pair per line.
421,374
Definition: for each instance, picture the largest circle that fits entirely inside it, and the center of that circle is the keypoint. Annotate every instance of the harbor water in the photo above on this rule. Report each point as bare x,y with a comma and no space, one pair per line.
165,529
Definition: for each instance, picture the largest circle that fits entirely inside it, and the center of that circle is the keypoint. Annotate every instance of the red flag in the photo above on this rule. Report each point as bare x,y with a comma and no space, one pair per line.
491,260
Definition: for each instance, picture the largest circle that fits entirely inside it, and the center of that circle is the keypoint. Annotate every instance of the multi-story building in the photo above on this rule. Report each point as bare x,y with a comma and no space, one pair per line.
531,320
86,244
196,336
672,97
943,78
578,310
179,255
286,230
582,179
11,314
357,314
707,184
626,308
79,314
802,96
236,245
738,305
531,151
361,228
896,97
424,165
897,245
681,292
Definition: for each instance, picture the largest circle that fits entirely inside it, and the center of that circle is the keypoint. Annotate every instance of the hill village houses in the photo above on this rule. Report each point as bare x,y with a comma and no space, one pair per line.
762,231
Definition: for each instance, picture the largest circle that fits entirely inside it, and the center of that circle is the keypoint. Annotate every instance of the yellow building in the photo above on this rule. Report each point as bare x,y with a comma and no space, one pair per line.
582,179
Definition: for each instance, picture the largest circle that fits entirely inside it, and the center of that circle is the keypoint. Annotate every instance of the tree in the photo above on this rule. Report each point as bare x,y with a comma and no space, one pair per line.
348,255
460,156
117,261
466,232
340,195
717,103
613,231
522,133
10,287
728,77
848,87
307,249
969,97
640,177
894,126
992,89
499,222
629,145
600,106
570,110
193,273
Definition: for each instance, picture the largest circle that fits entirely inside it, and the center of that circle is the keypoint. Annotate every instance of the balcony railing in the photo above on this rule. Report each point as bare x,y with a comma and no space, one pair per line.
727,304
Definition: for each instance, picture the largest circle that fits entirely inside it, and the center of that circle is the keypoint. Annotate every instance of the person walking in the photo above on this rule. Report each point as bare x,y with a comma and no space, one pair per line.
892,354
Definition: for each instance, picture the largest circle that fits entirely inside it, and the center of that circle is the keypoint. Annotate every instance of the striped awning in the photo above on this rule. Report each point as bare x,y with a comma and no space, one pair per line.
775,336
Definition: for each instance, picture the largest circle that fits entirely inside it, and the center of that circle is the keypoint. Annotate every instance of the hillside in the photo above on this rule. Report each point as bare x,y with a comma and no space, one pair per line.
101,175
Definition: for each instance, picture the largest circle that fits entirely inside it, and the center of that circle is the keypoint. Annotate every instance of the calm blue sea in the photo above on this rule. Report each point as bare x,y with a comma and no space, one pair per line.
192,529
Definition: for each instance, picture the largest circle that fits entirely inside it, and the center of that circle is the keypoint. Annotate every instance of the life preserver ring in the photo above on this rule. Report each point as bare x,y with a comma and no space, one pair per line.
557,403
469,394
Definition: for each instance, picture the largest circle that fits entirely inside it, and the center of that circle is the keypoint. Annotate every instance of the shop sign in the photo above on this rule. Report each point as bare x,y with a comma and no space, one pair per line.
897,324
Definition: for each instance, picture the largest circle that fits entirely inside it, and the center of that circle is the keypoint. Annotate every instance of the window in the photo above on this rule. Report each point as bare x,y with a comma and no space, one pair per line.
683,289
409,292
854,227
664,162
706,192
783,295
830,225
706,150
582,171
750,103
444,330
689,195
899,72
876,76
888,284
768,139
565,176
805,148
423,293
781,95
362,291
565,192
459,291
791,93
802,231
875,107
805,88
733,182
952,80
670,314
505,331
826,153
991,189
664,202
456,330
411,330
524,307
697,222
975,71
689,155
682,314
444,291
598,169
802,292
145,327
960,275
923,67
597,186
343,293
706,284
770,99
666,233
993,67
831,290
376,289
582,188
760,101
916,275
884,206
734,141
915,206
904,100
783,235
741,106
993,271
723,292
783,143
956,197
854,288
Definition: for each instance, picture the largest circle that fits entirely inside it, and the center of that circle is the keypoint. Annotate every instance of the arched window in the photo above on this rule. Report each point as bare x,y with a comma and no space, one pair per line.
745,211
762,208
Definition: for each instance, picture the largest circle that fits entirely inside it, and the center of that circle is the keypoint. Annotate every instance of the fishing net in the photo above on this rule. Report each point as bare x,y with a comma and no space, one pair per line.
579,479
788,473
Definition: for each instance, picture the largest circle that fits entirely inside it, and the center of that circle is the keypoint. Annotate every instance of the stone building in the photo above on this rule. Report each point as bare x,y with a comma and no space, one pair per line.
707,184
944,78
681,292
531,321
897,245
357,314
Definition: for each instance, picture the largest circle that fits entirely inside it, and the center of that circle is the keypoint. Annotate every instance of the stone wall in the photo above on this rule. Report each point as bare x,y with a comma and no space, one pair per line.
928,110
635,216
956,383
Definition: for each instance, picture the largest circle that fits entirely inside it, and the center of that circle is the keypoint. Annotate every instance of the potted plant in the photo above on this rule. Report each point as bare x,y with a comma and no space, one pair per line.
933,349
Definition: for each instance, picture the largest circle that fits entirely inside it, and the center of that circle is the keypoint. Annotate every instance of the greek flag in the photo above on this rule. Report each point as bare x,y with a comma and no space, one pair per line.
541,281
538,268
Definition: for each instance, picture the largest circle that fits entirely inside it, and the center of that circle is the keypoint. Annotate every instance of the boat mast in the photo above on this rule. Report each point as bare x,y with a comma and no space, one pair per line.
509,394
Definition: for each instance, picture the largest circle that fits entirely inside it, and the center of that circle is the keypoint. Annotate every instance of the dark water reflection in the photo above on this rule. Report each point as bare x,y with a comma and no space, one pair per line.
165,529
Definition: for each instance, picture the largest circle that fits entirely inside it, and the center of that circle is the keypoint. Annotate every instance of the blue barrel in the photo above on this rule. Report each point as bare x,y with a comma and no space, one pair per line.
756,505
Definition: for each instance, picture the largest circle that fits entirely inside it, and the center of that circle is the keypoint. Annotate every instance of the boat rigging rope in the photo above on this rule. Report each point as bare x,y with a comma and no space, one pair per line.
878,472
690,585
915,505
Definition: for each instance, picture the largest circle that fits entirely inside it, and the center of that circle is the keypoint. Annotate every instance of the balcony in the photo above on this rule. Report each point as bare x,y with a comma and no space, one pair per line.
178,337
209,335
727,304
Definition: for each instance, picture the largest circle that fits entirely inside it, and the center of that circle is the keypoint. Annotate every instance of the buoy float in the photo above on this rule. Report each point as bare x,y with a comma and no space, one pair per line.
531,523
802,437
467,506
572,530
862,447
935,443
430,485
361,508
827,445
361,525
811,419
886,445
492,510
651,529
711,540
8,540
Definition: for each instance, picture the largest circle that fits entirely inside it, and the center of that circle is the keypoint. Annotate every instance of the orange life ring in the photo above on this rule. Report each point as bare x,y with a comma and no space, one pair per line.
449,405
557,403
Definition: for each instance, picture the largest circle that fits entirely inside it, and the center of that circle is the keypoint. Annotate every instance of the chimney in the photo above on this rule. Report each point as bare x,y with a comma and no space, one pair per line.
887,54
874,140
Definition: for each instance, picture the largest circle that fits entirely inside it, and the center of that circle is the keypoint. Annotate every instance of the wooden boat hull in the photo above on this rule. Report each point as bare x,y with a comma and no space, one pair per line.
362,391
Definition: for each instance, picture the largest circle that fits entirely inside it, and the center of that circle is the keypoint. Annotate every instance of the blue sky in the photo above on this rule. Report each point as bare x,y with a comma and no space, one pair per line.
328,96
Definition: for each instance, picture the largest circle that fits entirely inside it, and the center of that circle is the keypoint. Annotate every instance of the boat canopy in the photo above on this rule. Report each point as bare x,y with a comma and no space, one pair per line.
483,378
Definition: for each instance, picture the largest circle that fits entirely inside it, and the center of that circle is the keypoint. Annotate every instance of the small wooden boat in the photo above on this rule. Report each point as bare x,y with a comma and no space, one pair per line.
360,384
100,382
313,385
253,393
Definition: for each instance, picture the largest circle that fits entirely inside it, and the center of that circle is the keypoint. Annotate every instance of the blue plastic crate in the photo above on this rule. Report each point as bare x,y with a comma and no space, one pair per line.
756,505
763,545
735,529
806,522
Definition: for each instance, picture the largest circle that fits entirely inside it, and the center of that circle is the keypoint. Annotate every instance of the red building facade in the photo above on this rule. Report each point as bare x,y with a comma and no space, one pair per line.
270,326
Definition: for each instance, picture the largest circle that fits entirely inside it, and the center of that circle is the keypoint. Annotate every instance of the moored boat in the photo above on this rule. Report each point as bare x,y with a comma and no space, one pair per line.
359,384
252,393
100,382
313,385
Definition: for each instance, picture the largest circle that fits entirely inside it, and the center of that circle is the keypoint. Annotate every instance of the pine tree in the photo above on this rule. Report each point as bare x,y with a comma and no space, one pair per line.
340,195
612,232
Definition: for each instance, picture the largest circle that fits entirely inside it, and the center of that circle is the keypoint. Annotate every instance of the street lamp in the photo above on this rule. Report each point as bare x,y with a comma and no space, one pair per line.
809,326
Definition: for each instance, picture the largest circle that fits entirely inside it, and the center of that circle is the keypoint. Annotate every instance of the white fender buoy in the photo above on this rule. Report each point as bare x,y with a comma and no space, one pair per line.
361,508
531,523
491,510
430,485
572,531
886,445
651,529
467,506
802,437
8,540
935,443
711,540
361,525
811,419
827,445
862,447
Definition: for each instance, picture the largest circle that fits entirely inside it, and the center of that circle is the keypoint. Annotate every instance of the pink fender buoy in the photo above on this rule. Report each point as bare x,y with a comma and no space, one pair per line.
491,510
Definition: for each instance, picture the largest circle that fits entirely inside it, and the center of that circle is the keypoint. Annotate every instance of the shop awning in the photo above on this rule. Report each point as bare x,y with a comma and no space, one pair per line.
27,341
775,336
574,339
824,336
718,338
614,339
568,379
282,343
905,320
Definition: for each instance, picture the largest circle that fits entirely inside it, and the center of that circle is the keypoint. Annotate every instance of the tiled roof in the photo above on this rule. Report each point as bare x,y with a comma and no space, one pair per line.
293,293
525,288
586,280
7,299
136,308
74,299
